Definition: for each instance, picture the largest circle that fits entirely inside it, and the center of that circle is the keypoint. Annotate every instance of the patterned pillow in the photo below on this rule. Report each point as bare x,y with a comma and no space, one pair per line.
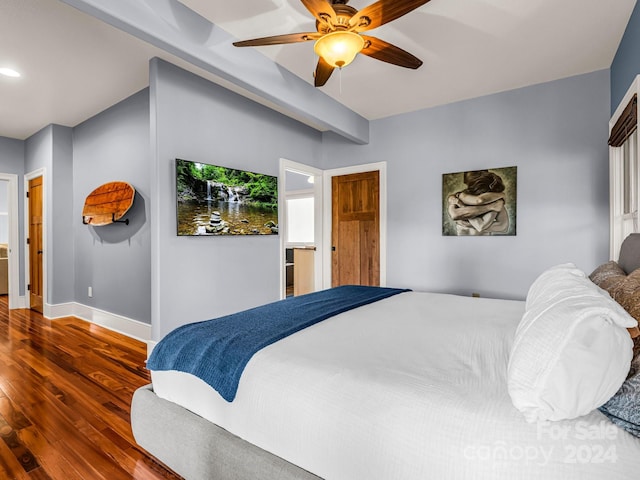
608,275
623,408
626,290
623,288
627,294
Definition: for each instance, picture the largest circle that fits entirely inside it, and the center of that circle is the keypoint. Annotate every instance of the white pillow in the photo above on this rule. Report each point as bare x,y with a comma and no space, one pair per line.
558,280
571,352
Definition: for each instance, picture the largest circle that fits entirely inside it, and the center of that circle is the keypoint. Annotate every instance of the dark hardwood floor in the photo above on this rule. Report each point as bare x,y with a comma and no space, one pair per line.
65,392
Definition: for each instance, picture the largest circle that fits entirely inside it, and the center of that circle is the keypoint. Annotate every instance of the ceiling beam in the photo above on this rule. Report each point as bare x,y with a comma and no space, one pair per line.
171,26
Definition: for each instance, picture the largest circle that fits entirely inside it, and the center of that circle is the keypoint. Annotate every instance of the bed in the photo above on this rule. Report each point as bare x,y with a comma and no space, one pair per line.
415,385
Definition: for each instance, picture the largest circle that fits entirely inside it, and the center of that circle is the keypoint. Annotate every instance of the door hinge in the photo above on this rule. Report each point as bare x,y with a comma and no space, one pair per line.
29,286
28,241
27,194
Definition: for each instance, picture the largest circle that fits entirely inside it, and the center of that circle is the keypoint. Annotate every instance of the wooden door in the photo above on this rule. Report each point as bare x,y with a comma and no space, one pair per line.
35,243
356,229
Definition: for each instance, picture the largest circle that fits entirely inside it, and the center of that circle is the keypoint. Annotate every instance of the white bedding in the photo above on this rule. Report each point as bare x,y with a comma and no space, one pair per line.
410,387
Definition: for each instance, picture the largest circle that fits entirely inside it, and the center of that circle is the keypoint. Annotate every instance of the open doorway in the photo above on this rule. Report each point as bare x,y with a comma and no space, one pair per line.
9,243
4,237
300,228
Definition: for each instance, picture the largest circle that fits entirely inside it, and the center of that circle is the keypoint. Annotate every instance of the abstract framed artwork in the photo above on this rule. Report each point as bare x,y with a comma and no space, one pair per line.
479,202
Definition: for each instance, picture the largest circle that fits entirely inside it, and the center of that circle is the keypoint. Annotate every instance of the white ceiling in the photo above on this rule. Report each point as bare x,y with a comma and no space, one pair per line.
470,48
74,66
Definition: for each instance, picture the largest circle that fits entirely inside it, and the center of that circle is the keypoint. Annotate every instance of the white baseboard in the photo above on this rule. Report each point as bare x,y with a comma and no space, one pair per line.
127,326
16,301
59,310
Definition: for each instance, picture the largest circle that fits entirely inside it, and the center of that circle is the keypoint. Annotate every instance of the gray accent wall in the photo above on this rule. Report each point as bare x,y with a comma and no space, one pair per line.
197,278
12,155
38,150
555,133
61,275
115,260
626,64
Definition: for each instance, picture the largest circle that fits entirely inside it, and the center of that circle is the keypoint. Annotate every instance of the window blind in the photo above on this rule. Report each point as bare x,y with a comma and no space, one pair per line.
626,124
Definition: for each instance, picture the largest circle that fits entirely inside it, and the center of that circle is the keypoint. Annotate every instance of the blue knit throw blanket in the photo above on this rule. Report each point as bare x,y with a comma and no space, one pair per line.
218,350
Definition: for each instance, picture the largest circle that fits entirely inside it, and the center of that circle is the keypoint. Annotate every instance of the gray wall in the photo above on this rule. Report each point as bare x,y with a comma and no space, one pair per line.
555,133
38,152
60,276
196,278
626,64
12,154
114,259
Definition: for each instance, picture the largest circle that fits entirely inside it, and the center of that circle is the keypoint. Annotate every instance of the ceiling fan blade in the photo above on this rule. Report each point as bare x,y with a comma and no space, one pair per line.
323,72
386,52
381,12
322,10
278,39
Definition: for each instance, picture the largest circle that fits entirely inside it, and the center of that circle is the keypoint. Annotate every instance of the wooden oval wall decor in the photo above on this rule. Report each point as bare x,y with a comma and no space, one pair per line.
108,204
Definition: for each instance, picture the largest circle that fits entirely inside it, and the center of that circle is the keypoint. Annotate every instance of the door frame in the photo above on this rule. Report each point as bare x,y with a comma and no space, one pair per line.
40,172
14,242
381,167
318,217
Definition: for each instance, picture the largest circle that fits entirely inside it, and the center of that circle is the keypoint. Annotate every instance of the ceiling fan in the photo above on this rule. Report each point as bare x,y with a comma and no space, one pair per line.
338,36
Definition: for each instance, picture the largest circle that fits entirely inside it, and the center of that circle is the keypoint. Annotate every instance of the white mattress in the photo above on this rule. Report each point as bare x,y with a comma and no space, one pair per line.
410,387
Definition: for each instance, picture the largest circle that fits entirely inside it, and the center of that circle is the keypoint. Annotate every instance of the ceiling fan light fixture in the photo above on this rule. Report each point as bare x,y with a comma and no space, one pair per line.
339,48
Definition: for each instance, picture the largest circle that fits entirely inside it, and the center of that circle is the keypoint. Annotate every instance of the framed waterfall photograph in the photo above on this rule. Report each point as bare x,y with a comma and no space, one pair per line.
216,200
479,202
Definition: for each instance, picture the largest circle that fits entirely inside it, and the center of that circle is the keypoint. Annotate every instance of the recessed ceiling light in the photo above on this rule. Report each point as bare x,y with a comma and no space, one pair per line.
9,72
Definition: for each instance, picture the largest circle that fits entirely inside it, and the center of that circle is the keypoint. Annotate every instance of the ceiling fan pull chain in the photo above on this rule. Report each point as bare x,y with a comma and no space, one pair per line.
340,76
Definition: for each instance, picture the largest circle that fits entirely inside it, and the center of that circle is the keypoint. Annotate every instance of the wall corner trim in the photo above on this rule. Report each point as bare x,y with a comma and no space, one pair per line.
132,328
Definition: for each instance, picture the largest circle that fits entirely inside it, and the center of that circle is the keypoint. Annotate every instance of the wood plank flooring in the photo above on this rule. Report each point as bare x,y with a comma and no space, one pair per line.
65,392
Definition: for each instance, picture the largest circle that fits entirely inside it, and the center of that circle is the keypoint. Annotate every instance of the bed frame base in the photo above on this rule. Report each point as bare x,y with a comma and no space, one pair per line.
198,449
